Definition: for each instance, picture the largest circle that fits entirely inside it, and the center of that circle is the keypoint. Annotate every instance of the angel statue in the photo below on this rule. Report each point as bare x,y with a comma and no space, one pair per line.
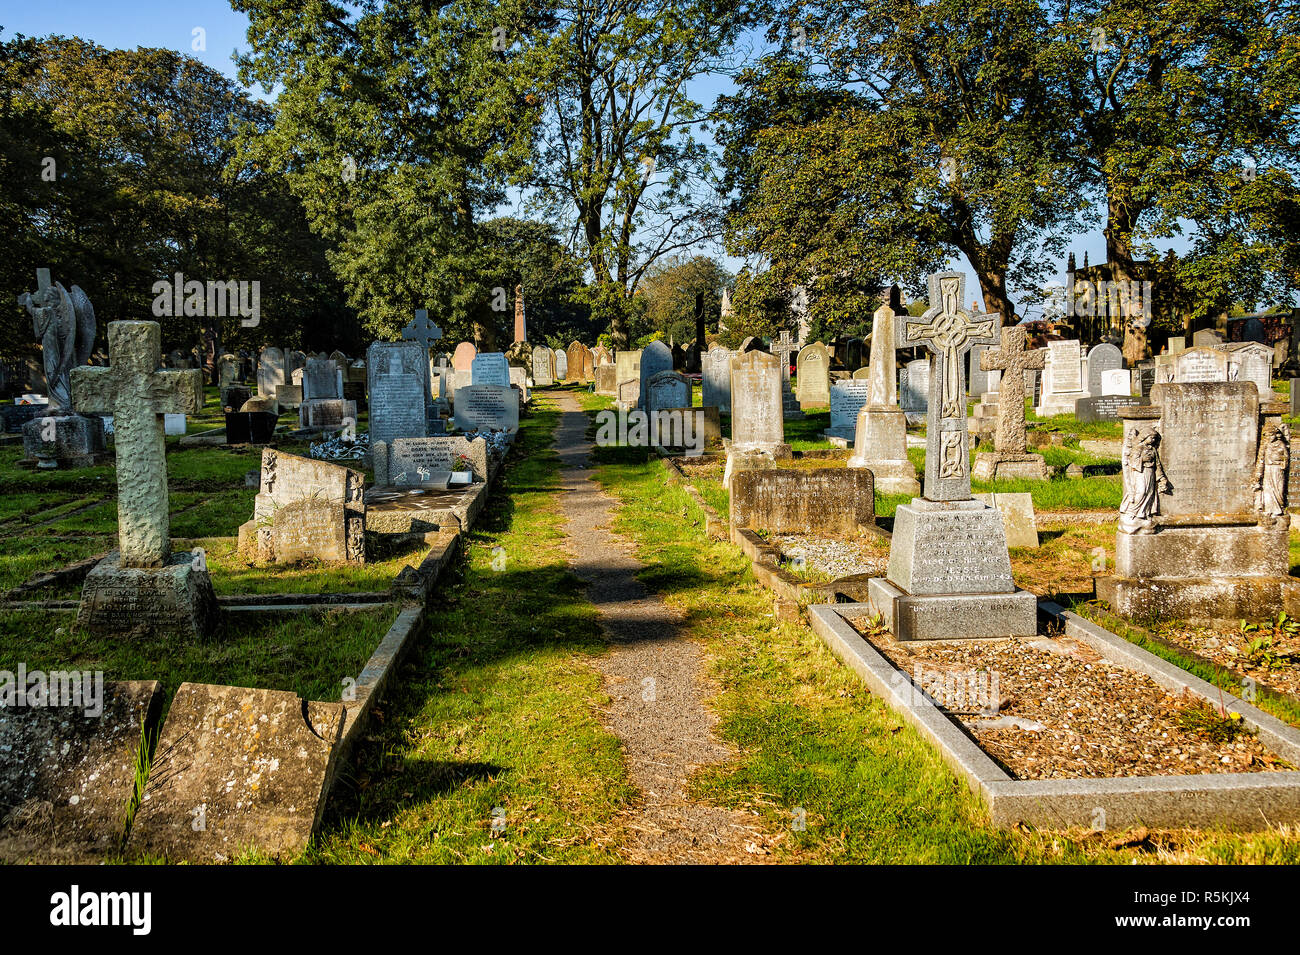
64,323
1144,476
1271,471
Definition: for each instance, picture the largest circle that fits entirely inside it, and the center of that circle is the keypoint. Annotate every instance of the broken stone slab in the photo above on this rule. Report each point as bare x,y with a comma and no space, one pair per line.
237,768
67,778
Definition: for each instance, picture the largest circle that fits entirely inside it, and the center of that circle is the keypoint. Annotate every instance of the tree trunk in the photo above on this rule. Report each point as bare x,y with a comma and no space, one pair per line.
1120,220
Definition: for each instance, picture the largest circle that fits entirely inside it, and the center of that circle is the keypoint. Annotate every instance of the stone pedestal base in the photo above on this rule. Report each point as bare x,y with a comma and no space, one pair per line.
950,576
995,465
1202,602
751,458
174,600
953,616
74,441
880,445
1201,569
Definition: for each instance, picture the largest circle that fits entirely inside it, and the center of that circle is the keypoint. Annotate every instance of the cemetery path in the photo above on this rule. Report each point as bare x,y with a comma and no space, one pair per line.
654,677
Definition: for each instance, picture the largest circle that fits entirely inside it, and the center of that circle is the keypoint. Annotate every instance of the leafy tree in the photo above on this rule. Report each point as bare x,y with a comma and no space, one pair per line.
894,136
398,126
119,171
618,157
672,289
1185,117
531,254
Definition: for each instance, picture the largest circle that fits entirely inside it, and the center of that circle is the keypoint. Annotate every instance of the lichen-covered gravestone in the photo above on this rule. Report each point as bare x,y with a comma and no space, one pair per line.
67,773
306,510
234,769
143,588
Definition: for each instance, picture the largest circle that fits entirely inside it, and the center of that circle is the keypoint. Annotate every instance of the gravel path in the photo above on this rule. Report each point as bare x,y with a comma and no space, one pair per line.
654,677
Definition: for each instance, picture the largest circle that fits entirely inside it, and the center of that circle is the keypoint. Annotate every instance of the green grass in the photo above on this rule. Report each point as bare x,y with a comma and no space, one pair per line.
231,575
496,711
811,738
308,654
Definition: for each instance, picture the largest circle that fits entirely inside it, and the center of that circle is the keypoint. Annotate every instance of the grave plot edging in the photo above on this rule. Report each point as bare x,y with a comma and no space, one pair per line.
1242,801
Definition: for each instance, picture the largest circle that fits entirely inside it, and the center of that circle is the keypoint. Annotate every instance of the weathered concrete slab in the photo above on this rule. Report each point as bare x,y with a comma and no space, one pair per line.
237,768
66,773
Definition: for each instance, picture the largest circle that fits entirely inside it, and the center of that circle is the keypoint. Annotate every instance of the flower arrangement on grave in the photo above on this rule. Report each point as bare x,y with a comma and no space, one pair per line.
462,463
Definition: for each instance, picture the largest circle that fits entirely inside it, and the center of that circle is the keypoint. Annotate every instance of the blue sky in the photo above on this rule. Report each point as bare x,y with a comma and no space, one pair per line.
152,23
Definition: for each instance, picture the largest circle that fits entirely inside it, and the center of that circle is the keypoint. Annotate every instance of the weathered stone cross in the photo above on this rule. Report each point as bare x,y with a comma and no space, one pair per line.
137,393
1013,361
783,348
422,330
949,331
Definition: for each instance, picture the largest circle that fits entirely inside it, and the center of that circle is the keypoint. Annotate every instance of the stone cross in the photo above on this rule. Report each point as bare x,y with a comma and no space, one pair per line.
1013,360
422,330
949,331
783,348
137,393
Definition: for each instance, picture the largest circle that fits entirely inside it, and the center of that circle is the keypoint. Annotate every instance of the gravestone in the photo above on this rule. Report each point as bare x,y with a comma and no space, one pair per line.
949,570
627,367
588,365
67,772
1062,379
490,368
258,763
143,588
847,399
1101,359
783,347
519,379
1017,512
666,390
227,371
979,377
1203,364
1116,381
487,408
543,367
1105,407
629,393
605,380
655,357
1011,458
578,360
1203,525
323,405
561,365
715,379
813,386
270,372
915,397
1255,363
398,383
601,356
756,421
408,461
305,510
880,427
463,357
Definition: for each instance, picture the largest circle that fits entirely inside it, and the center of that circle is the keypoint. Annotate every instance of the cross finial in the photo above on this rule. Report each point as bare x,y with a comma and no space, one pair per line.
421,329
